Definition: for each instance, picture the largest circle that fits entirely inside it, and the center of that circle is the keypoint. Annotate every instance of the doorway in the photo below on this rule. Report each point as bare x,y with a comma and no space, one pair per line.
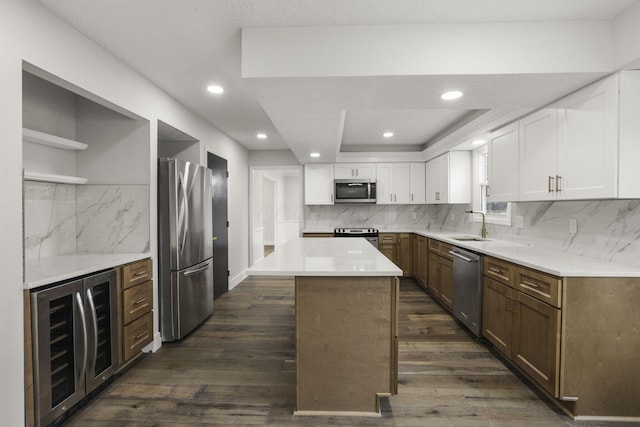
276,207
220,224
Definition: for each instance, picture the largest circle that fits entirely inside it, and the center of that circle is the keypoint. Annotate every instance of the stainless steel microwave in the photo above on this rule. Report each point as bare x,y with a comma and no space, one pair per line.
355,191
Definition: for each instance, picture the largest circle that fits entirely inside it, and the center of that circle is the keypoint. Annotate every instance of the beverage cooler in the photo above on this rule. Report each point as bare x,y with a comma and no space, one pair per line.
74,342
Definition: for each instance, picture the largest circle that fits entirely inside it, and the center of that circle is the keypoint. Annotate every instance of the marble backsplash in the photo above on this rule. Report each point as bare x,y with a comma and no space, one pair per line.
607,229
375,216
49,219
61,218
112,218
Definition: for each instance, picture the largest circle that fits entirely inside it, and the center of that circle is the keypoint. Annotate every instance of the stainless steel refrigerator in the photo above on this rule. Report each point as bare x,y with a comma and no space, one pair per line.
185,266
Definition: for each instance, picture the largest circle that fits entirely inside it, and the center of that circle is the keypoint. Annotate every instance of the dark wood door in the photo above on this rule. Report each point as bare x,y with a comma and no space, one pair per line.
218,167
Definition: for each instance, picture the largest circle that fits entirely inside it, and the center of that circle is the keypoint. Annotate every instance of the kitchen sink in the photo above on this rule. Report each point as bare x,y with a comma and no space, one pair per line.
469,239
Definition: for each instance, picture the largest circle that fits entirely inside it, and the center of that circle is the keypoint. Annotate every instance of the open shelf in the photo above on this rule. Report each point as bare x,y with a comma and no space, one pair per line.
49,140
58,179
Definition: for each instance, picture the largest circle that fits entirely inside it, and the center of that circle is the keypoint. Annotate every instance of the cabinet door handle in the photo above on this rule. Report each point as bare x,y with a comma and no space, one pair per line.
140,301
412,197
356,172
437,195
391,197
487,191
140,335
550,184
558,186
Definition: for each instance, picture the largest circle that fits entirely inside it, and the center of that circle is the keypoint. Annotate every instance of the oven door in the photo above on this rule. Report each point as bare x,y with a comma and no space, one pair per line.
355,191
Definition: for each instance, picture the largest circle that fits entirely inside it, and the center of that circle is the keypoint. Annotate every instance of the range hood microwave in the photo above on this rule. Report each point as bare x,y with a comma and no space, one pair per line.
355,190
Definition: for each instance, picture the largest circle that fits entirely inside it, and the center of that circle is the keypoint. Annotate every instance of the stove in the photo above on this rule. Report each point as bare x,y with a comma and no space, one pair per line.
371,234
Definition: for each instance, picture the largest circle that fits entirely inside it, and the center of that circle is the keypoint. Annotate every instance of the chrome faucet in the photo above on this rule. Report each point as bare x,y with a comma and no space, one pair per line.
484,223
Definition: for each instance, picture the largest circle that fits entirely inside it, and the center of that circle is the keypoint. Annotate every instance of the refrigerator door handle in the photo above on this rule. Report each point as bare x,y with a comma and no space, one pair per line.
85,344
183,216
94,318
197,270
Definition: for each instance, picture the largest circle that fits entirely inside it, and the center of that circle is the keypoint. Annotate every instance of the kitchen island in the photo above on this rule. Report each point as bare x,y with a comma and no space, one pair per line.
346,317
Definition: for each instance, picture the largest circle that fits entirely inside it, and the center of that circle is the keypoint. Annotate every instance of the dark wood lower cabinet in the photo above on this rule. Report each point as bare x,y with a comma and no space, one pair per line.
446,282
536,341
433,281
497,306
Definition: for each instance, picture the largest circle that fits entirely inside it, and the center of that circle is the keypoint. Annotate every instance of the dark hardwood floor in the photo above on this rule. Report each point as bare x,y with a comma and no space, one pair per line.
238,369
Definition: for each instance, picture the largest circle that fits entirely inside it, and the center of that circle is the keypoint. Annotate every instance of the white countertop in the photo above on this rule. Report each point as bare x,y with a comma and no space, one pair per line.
552,262
45,271
330,256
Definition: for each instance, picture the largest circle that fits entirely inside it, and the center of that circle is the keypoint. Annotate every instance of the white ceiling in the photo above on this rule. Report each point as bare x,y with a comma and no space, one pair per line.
183,46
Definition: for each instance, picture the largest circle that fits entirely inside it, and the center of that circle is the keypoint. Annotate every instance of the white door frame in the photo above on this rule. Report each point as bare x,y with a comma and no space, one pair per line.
253,222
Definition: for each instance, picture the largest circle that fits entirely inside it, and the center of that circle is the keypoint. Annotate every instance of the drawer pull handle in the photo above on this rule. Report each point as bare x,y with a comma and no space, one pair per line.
141,335
140,301
531,284
495,270
140,273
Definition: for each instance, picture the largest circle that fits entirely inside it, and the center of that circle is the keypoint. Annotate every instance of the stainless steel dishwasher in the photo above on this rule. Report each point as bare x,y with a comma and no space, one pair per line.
467,289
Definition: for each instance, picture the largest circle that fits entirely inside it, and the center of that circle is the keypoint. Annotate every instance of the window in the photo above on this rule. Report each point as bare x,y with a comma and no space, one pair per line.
495,212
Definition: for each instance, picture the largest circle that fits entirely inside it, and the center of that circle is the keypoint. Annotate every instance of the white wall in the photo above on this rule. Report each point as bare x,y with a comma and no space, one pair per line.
30,33
272,158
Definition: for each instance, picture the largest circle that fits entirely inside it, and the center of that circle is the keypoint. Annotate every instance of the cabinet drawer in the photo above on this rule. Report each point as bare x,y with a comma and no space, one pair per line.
434,245
389,238
500,271
136,301
541,286
135,273
136,335
440,248
444,250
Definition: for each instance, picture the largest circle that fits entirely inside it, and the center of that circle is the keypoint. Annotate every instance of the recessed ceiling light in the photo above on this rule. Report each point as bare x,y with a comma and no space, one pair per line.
261,136
478,142
314,155
451,95
215,89
387,134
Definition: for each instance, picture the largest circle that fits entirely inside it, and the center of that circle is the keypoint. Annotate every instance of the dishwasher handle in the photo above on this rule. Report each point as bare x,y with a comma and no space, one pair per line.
456,254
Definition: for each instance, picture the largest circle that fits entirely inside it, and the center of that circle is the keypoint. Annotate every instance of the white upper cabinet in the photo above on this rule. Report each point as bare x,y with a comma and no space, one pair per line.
583,147
537,152
587,142
400,183
318,184
449,178
503,164
418,183
355,170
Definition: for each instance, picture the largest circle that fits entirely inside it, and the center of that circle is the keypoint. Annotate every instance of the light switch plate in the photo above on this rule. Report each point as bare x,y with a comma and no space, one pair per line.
414,215
573,226
519,221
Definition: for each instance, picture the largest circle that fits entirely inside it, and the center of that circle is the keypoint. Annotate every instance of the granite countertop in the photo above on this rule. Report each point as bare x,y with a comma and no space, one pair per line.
330,256
44,271
546,260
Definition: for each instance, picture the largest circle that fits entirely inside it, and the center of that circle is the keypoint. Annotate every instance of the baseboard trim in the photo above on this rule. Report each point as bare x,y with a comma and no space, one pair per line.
154,345
236,280
607,418
337,414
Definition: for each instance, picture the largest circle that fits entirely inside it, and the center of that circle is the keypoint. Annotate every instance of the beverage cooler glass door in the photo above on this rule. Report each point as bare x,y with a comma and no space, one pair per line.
59,349
100,296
